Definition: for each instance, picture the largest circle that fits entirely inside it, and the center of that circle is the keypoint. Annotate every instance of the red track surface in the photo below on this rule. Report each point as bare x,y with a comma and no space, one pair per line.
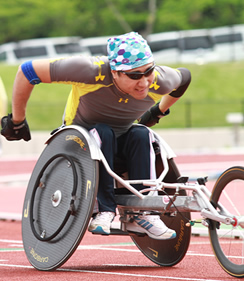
107,258
99,257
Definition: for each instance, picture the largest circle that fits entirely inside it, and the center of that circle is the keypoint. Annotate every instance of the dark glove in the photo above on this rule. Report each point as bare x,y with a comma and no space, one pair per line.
152,116
13,131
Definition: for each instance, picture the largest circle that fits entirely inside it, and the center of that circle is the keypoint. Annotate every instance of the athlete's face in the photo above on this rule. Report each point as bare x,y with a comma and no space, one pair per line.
129,83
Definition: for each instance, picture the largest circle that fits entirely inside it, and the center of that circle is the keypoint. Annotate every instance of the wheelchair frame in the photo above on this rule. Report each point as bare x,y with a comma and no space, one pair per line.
175,209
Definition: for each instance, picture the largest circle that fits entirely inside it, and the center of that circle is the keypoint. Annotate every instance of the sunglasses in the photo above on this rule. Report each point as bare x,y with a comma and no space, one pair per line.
138,75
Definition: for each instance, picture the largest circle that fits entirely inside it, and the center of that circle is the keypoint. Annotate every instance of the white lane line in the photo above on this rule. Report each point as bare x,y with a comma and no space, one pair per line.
116,273
11,251
108,247
98,247
11,241
10,216
15,178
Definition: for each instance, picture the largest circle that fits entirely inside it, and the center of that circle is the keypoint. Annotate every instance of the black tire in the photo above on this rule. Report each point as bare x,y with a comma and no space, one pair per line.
52,227
228,240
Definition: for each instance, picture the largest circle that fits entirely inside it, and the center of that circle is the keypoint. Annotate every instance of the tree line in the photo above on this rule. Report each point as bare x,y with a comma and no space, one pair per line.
28,19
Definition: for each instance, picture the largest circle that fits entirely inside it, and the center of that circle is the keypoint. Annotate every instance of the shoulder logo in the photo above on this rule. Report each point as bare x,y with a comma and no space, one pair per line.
154,84
100,76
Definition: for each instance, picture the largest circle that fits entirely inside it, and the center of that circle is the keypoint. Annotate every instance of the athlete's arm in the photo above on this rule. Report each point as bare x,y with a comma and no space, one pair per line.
153,115
22,88
168,100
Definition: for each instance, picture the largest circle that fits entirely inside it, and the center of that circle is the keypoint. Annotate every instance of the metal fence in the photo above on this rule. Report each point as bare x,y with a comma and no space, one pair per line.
184,114
210,113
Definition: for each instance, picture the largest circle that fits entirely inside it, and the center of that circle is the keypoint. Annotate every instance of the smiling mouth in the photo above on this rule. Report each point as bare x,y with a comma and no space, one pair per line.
141,94
141,90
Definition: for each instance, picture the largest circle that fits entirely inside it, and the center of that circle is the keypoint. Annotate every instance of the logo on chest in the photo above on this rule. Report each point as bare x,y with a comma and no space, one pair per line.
124,100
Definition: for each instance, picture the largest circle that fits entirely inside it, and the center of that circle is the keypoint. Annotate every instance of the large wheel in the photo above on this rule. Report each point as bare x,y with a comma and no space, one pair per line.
167,252
228,240
59,200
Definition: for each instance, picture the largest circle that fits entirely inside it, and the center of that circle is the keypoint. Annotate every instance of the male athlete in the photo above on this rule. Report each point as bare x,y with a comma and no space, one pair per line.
108,94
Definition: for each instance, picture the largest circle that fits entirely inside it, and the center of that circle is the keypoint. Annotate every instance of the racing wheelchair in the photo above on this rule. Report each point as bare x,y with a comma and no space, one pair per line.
61,195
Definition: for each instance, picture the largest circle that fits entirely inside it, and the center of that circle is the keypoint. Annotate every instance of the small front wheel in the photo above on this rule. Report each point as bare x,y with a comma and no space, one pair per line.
228,240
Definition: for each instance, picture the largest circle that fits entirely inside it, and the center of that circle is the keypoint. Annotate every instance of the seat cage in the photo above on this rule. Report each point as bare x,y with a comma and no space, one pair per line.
165,151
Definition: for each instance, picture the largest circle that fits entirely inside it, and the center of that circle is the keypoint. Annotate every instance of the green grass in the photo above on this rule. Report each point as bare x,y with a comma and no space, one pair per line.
216,90
46,104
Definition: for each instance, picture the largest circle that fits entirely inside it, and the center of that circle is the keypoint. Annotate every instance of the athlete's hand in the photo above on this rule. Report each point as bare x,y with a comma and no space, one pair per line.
13,131
152,116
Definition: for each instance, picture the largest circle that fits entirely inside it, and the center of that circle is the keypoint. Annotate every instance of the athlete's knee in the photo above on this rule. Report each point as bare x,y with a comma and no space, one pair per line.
139,134
104,131
104,136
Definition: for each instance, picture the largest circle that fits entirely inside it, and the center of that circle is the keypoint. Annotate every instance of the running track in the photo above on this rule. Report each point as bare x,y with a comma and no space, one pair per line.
100,257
